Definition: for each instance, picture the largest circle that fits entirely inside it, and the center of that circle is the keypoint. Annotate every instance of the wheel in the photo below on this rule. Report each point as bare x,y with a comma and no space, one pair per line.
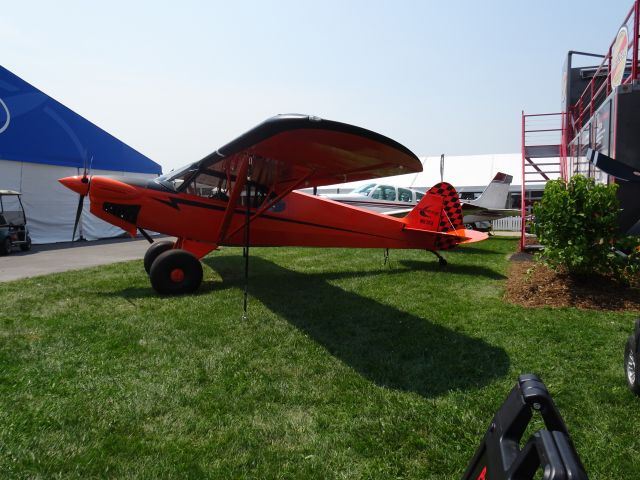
175,272
631,364
5,246
25,247
155,249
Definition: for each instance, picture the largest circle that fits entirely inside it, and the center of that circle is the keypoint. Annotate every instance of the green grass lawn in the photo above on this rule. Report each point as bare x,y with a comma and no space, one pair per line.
345,369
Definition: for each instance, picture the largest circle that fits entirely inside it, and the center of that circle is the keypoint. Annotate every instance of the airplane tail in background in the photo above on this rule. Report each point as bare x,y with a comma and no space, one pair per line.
495,195
440,211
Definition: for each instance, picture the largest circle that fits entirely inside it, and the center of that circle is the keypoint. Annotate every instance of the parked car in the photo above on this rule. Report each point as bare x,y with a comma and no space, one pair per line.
13,223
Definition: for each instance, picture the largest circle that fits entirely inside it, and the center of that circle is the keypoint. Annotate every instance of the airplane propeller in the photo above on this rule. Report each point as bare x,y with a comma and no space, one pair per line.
86,179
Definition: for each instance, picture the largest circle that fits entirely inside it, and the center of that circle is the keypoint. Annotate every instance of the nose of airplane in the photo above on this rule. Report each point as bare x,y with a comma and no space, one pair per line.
77,183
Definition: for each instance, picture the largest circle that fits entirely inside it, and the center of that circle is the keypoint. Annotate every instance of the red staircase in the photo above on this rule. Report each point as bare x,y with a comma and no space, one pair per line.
555,144
543,159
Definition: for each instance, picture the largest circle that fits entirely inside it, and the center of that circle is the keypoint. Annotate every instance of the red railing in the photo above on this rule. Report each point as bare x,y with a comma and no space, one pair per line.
544,155
600,87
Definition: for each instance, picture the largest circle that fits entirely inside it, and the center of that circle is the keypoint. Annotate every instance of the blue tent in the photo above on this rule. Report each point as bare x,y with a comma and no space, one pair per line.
36,128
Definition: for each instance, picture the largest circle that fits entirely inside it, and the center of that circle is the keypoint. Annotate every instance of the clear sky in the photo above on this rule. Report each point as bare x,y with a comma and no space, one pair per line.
177,80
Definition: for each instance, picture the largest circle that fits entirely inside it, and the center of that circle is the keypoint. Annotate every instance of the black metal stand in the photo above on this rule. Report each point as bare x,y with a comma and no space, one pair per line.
500,457
245,250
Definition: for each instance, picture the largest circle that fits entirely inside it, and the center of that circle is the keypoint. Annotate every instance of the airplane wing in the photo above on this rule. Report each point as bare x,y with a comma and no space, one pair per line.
310,151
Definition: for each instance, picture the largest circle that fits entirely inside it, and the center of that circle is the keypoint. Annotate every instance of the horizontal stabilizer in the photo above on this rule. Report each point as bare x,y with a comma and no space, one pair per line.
458,236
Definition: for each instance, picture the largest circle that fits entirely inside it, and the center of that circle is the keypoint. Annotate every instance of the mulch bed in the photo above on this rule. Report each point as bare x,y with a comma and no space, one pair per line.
533,284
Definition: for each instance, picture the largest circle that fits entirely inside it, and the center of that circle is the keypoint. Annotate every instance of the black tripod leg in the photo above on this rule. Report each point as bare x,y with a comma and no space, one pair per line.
245,252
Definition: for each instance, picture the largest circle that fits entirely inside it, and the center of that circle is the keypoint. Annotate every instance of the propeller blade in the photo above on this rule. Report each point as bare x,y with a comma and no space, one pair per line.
78,213
85,179
84,164
90,166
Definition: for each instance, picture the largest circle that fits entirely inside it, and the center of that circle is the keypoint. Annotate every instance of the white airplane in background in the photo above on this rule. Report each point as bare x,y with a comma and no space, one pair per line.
398,201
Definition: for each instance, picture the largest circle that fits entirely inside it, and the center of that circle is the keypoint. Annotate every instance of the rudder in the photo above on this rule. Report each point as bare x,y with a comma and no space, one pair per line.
439,211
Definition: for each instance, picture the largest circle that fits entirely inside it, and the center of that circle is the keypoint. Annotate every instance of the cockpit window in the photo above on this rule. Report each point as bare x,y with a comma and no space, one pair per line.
365,189
404,195
211,183
207,184
175,179
384,192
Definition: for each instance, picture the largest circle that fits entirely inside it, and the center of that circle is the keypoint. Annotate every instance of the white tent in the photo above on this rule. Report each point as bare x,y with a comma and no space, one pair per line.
460,171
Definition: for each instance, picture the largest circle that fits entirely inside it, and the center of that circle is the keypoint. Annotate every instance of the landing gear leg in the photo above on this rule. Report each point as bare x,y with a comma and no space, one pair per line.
441,261
386,256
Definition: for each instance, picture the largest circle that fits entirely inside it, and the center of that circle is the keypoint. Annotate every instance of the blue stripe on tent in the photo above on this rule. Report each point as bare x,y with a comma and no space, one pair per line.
36,128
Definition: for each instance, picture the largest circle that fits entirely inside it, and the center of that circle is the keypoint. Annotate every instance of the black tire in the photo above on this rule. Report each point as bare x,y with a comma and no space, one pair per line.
5,246
631,364
155,249
175,272
25,247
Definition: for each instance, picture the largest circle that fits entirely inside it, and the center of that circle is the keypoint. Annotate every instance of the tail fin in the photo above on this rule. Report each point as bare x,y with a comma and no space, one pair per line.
440,211
495,195
36,128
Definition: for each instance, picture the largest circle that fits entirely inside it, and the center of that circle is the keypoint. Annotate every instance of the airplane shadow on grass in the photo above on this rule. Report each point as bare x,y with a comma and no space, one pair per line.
452,269
393,349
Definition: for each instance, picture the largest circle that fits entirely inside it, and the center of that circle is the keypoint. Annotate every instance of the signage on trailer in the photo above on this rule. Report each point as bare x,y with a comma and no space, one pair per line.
619,57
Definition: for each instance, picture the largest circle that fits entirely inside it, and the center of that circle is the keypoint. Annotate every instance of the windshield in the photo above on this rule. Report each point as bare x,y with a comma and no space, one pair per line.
175,178
365,189
11,212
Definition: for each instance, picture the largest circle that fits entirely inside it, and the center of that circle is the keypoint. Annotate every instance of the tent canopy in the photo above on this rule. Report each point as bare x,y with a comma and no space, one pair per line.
36,128
41,141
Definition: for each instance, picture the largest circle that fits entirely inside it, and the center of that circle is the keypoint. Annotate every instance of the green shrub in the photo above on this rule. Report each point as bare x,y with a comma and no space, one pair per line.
576,221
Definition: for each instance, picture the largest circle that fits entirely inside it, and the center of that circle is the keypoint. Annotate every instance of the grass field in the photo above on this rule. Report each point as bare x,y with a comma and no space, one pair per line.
345,369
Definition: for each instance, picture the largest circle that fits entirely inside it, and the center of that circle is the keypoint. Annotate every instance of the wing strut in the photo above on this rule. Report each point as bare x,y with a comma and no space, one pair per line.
245,250
241,179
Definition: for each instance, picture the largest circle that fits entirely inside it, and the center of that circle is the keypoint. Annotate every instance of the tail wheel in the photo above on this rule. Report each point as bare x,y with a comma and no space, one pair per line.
153,251
175,272
631,365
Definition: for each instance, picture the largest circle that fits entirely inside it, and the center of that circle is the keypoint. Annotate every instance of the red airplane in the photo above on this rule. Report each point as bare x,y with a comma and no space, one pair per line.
243,195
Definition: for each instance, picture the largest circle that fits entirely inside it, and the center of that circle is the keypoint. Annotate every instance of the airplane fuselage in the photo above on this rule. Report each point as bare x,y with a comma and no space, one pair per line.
299,219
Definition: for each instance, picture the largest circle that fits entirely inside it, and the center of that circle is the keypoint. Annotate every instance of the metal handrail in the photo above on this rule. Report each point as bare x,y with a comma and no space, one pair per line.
588,100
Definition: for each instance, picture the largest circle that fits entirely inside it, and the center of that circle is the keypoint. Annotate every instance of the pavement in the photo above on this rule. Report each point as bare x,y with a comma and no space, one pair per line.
60,257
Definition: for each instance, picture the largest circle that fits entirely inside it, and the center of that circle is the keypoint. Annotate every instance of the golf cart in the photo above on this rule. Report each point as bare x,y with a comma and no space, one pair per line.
13,223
